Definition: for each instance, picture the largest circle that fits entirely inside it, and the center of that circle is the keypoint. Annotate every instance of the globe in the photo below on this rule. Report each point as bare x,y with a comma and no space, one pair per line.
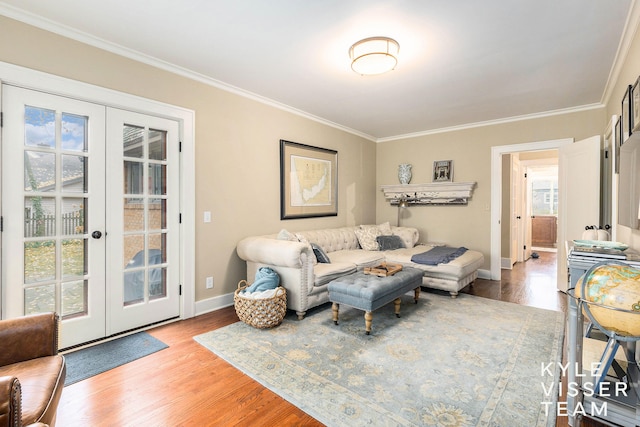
616,286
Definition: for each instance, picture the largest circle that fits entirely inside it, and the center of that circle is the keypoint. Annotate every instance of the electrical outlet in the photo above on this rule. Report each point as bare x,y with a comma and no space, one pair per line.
209,282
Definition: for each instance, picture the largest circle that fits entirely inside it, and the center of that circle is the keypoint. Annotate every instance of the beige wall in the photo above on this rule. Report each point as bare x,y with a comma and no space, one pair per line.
470,150
236,148
628,75
237,153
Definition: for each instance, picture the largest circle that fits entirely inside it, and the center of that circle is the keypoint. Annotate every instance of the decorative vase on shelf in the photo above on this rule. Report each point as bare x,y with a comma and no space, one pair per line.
404,173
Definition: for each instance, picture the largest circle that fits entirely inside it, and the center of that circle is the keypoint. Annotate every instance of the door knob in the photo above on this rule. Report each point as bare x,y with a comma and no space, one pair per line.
96,234
518,217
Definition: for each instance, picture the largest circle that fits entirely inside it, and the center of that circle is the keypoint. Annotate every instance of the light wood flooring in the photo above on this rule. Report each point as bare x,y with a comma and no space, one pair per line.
187,385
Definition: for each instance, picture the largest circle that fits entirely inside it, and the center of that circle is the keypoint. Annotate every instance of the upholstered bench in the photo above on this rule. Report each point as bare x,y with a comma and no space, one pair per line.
369,292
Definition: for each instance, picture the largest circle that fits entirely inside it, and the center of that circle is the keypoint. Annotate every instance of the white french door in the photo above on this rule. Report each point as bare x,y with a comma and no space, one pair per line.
143,274
90,214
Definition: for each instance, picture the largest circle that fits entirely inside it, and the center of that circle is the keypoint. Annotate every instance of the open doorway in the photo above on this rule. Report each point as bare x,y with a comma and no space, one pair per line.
542,199
500,206
530,205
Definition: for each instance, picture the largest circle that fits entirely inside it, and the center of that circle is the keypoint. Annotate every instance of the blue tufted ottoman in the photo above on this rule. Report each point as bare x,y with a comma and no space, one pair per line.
369,292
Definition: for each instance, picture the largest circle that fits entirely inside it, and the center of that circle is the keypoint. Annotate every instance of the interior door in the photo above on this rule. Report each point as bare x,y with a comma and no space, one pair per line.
526,186
515,209
54,210
143,199
578,196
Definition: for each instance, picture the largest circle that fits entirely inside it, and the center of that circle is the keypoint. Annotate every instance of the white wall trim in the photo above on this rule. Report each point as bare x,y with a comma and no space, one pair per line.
540,115
496,191
212,304
37,80
73,34
484,274
628,34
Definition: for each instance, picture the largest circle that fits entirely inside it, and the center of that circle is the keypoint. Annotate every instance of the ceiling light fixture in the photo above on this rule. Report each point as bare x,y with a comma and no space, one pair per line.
374,55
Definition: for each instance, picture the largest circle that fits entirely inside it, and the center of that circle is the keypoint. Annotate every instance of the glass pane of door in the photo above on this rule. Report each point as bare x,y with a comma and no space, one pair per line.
144,207
55,155
144,258
56,145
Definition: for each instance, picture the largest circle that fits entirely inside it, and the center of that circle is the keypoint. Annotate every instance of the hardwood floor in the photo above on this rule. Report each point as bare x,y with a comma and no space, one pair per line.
187,385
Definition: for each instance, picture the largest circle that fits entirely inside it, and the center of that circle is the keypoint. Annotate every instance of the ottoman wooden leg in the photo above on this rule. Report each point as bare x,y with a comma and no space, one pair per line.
368,317
396,303
417,294
335,307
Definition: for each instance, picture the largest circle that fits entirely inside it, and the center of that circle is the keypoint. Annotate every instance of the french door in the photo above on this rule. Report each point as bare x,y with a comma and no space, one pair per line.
90,214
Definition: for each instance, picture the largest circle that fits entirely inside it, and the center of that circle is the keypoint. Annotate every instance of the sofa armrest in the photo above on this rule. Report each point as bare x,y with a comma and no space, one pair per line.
10,402
282,253
28,337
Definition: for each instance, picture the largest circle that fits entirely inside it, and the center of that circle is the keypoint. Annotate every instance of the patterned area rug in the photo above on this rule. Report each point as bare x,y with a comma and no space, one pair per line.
468,361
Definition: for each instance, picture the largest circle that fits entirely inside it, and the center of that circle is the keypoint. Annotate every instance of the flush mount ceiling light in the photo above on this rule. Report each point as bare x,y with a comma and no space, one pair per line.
374,55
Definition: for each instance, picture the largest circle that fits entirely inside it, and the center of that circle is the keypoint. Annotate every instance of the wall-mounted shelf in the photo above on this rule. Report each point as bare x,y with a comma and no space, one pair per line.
435,193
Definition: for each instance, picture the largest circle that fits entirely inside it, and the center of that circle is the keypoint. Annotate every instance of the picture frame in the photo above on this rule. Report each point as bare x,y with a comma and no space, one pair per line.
627,119
308,181
635,105
617,142
443,171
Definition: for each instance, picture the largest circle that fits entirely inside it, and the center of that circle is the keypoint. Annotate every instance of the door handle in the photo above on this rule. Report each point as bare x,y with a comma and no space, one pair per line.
518,217
96,234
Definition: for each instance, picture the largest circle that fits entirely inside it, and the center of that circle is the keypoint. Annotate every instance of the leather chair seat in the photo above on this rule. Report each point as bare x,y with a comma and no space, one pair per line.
32,373
38,377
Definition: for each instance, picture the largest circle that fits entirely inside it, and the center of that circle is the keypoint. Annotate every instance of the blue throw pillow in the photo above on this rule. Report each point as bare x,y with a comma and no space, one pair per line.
321,256
389,243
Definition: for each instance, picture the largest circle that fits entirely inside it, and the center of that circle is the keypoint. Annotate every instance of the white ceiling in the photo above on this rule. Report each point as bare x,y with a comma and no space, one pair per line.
461,62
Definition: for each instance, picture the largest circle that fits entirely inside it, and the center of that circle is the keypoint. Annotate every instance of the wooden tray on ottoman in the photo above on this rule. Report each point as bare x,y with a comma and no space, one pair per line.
383,270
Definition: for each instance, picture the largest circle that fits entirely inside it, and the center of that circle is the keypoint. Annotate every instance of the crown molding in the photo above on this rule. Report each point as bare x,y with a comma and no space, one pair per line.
80,36
628,34
73,34
495,122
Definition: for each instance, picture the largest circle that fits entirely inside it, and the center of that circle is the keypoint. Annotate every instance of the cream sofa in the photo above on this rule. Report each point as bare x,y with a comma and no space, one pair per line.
292,256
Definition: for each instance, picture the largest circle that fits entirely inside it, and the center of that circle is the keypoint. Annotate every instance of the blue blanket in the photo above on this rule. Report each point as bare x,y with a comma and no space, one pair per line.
266,278
438,255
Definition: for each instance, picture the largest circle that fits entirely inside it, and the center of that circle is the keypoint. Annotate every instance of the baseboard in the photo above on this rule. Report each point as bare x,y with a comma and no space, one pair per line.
506,263
212,304
484,274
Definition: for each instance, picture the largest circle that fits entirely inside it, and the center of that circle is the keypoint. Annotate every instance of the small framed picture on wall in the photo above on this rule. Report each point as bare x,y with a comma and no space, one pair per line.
617,141
627,119
635,105
443,171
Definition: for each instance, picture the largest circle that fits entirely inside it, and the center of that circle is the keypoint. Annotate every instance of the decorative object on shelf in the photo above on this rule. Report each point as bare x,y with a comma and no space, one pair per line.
635,105
627,117
404,173
435,193
402,204
374,55
308,181
443,171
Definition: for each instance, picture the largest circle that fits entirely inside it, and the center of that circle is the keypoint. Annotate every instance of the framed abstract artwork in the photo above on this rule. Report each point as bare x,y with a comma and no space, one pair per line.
308,181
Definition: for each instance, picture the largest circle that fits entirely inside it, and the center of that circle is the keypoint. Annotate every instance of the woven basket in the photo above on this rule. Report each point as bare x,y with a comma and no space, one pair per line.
260,313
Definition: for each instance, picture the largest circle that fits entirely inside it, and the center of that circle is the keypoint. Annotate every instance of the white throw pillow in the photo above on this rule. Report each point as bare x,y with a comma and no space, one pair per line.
385,229
367,237
286,235
304,240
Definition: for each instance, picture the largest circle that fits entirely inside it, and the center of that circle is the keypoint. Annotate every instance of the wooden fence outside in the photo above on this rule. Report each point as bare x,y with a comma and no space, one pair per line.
72,223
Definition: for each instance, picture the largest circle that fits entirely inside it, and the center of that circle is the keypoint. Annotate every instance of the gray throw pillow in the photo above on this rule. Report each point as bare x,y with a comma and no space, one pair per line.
389,243
321,256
